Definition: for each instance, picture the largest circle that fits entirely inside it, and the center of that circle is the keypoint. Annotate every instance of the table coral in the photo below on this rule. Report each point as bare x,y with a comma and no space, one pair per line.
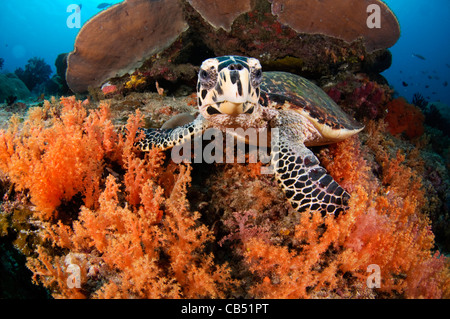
118,40
340,19
320,36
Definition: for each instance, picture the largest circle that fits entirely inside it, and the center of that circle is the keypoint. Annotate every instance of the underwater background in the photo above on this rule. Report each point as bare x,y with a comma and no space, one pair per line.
38,28
85,214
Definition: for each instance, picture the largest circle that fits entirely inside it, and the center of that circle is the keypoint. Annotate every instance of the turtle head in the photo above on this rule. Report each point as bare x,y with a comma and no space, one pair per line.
228,88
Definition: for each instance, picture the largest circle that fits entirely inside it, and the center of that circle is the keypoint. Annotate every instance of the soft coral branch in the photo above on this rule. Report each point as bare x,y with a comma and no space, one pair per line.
57,161
384,225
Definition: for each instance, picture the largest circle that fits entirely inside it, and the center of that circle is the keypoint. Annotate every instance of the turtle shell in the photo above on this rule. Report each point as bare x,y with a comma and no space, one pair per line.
288,91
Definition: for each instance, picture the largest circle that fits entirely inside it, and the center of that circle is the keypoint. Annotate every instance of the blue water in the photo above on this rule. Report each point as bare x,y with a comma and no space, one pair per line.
39,28
32,28
425,30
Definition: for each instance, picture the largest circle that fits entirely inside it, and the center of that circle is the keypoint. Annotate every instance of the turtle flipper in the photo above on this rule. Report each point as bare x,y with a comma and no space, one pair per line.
168,138
305,183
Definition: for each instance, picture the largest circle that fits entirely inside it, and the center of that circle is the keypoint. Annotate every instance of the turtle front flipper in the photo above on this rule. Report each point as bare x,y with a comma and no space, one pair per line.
305,183
168,138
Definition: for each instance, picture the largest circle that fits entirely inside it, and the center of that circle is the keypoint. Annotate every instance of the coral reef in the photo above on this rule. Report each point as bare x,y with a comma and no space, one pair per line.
419,101
36,72
94,218
436,114
313,36
97,219
59,79
311,256
10,100
143,244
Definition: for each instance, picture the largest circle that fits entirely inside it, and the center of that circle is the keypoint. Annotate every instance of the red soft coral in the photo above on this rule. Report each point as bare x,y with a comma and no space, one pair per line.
403,117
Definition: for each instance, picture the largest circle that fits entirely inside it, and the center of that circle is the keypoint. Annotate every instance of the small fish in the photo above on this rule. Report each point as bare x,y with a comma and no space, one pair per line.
80,6
445,83
103,5
430,77
404,83
447,65
427,86
419,56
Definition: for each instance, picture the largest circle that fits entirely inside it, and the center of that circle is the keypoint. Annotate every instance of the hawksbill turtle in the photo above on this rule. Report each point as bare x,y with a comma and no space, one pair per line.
233,91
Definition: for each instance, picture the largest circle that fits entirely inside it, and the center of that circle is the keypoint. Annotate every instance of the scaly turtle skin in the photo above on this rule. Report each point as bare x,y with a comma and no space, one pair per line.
233,92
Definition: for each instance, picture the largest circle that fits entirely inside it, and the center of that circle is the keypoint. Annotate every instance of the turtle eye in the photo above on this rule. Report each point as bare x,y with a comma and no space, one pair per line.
204,76
256,77
207,78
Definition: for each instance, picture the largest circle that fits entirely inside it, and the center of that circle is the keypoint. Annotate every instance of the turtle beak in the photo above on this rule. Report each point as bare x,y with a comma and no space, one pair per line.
231,108
234,85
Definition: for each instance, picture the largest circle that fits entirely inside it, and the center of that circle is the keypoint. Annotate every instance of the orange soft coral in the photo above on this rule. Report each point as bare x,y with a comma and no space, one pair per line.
142,243
297,272
137,237
135,253
403,117
384,226
60,157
